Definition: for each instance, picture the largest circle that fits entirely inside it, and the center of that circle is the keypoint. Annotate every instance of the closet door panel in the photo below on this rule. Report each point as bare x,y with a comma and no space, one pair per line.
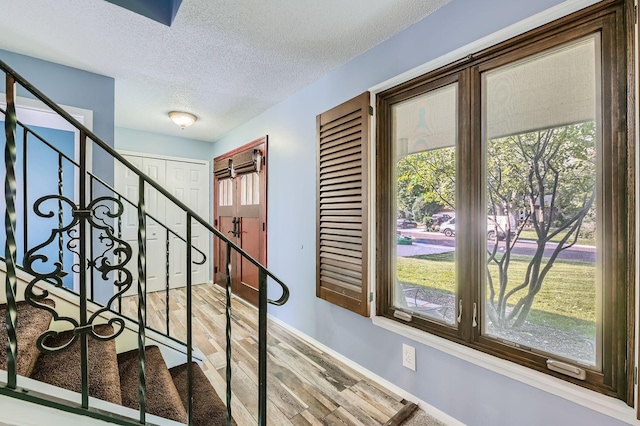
188,182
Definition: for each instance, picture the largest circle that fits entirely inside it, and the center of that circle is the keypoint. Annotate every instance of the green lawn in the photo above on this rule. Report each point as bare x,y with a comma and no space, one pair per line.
530,234
567,300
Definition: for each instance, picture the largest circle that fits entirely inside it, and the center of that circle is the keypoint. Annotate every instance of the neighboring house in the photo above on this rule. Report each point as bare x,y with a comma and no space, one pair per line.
462,383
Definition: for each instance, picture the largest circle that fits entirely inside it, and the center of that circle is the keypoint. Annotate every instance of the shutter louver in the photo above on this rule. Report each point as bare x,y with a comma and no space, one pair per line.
342,232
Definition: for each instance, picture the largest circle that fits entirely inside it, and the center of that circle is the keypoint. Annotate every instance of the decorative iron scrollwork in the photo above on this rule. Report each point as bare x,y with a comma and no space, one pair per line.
114,254
112,260
72,246
33,295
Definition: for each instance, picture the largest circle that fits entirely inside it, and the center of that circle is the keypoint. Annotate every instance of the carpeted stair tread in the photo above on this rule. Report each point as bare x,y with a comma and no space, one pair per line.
208,408
32,322
162,398
62,368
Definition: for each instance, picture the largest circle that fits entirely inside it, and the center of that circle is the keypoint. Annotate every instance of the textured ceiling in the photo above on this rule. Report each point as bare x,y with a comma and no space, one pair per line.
224,60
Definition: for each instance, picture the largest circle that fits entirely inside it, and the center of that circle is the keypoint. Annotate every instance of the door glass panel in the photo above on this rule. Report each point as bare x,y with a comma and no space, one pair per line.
542,285
425,137
250,189
225,192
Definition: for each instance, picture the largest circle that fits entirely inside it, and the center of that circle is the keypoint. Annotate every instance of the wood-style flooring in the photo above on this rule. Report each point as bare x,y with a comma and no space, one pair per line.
305,385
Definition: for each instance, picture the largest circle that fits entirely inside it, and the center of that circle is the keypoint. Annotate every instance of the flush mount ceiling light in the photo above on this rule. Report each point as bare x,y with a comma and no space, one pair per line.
182,119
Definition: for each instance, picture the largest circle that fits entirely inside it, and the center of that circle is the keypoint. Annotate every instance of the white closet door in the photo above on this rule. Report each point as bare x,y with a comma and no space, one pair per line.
189,183
155,204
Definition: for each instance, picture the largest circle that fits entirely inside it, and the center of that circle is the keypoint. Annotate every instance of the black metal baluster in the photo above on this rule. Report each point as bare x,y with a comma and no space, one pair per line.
82,213
82,261
142,299
189,325
25,197
166,277
120,257
60,213
262,348
91,240
228,333
11,315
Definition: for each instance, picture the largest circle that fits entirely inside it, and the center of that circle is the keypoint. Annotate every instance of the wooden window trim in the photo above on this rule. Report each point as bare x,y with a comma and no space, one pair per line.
616,380
632,17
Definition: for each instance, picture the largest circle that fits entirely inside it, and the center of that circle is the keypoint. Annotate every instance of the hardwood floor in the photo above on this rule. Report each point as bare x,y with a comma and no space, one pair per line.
305,385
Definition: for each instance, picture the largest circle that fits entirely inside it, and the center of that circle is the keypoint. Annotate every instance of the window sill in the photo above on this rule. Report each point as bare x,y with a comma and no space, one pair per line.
576,394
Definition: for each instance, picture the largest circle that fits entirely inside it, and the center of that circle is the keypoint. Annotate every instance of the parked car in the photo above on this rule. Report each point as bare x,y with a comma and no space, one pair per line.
495,224
449,227
406,223
499,224
439,218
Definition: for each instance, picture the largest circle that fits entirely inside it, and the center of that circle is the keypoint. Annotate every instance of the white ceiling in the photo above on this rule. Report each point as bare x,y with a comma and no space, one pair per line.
224,60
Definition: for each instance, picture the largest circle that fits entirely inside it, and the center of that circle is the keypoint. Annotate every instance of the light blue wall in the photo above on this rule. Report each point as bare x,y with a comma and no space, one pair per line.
81,89
44,182
154,143
72,87
465,391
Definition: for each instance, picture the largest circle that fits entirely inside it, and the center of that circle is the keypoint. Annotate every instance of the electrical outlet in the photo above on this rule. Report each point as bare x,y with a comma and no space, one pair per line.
409,357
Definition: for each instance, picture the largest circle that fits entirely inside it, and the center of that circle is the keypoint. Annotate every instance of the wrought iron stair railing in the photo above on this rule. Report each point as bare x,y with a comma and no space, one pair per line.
85,222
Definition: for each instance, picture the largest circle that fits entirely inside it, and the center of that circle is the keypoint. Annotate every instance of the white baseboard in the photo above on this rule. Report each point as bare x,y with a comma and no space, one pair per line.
428,408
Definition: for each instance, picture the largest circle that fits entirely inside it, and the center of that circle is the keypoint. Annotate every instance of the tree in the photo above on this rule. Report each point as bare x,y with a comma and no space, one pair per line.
428,176
423,210
546,176
550,175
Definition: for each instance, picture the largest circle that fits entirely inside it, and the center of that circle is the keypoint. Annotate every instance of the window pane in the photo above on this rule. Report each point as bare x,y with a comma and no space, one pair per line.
250,189
225,192
425,136
542,285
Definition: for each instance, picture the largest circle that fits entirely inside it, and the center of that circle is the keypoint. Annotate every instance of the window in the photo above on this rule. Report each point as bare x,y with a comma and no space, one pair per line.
425,135
225,192
250,189
513,165
542,154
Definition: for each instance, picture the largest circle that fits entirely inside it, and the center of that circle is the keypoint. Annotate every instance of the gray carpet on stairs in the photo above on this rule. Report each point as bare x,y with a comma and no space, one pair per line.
112,377
32,322
63,368
162,398
208,408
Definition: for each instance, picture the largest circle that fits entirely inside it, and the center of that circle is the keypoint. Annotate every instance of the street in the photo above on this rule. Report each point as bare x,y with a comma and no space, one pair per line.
436,242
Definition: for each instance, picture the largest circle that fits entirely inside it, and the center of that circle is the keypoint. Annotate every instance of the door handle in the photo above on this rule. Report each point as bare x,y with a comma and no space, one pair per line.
237,227
233,231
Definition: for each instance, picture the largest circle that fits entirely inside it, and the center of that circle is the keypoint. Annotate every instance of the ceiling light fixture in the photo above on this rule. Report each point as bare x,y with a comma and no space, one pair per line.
182,119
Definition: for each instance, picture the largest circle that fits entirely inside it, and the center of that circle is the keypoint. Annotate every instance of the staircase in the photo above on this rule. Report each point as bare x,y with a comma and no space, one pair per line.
112,376
79,340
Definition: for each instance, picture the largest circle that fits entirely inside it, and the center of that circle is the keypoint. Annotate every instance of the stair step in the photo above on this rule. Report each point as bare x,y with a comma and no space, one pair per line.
162,398
208,408
32,322
62,368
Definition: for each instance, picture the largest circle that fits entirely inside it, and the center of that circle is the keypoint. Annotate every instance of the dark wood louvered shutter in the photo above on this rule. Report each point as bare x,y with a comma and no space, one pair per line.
343,228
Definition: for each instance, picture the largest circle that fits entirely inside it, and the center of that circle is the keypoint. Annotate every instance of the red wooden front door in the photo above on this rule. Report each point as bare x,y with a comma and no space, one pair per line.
240,213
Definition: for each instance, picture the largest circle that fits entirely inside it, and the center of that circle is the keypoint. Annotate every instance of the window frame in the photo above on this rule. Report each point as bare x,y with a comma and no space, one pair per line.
607,18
